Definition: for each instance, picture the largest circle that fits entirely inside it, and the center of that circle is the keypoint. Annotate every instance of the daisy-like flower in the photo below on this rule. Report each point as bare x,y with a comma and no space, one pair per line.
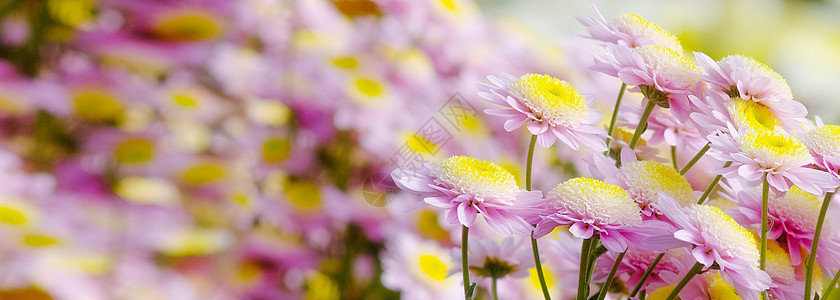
552,109
496,259
643,180
823,143
629,30
713,115
739,76
661,74
465,186
755,152
592,207
418,269
716,239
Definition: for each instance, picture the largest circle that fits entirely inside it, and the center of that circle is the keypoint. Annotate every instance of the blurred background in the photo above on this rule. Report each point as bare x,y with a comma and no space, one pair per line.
219,149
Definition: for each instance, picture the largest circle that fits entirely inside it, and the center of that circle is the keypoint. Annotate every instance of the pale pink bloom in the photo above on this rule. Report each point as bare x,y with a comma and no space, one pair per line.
628,30
739,76
664,127
552,109
488,257
418,269
756,152
823,143
662,75
714,238
465,187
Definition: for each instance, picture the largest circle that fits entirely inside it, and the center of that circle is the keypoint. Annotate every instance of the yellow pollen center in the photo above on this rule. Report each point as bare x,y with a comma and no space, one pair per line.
190,25
203,173
753,114
368,87
606,203
184,99
275,150
720,290
772,149
134,151
345,62
647,178
477,176
37,240
551,100
639,27
304,195
11,216
824,141
98,106
427,224
433,267
535,277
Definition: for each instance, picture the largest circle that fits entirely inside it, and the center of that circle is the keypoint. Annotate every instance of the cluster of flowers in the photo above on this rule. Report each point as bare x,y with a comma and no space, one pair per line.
217,149
757,230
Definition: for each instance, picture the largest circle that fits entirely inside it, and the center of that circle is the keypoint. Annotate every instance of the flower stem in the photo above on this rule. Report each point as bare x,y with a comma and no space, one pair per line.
674,157
809,268
646,274
712,185
495,291
642,124
606,287
465,237
615,114
762,251
534,245
831,285
695,159
583,286
694,270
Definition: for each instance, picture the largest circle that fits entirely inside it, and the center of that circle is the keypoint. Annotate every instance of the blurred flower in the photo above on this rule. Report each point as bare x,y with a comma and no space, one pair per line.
629,30
824,145
496,259
418,269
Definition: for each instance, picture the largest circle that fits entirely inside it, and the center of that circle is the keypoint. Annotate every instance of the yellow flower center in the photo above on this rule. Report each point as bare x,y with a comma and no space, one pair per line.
184,99
638,26
647,178
98,106
38,240
203,173
753,114
345,62
477,176
428,225
773,149
304,195
733,239
12,216
799,208
188,25
535,277
607,203
662,293
720,290
551,100
779,266
368,87
433,267
275,150
824,141
134,151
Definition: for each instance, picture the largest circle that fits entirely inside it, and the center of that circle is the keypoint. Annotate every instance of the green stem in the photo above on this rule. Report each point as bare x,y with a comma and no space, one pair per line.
647,273
465,237
583,286
534,245
809,268
831,285
695,159
611,129
605,288
529,162
495,292
712,185
694,271
674,157
762,251
642,124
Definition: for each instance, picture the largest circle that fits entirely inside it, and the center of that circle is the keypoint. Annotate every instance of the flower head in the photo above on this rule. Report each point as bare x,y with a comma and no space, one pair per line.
496,259
592,206
824,145
629,30
418,269
552,109
465,186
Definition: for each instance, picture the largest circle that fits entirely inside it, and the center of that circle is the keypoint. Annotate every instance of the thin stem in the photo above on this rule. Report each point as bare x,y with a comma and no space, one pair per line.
712,185
647,274
615,114
465,237
608,283
495,292
762,251
583,287
534,245
674,157
694,270
642,124
530,161
695,159
831,285
809,268
538,265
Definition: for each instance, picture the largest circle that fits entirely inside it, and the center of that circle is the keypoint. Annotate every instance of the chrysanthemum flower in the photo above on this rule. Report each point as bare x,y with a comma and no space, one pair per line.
418,269
714,115
552,109
643,180
706,286
824,145
716,239
465,186
662,75
592,206
739,76
628,30
634,265
755,152
496,259
621,138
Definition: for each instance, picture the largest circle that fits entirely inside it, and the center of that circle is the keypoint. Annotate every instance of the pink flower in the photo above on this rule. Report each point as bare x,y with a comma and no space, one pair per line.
634,265
491,258
823,143
755,152
464,187
714,238
552,109
629,30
